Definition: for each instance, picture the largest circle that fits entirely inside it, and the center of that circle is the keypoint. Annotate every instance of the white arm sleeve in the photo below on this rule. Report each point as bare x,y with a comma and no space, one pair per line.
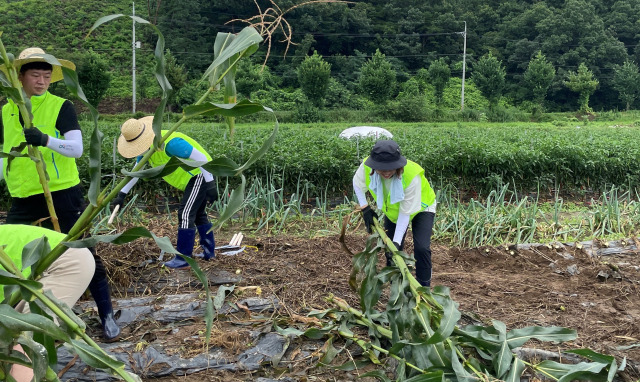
200,157
70,146
127,187
360,186
401,228
1,169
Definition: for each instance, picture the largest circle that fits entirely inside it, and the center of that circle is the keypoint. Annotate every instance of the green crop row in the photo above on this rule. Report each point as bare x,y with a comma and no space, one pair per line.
479,157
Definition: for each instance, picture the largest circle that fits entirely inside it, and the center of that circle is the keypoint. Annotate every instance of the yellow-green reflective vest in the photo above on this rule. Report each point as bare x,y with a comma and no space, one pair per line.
22,177
411,170
16,236
179,178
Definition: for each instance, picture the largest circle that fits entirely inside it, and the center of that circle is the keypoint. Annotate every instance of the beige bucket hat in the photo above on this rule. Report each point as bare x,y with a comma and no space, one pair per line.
136,136
36,54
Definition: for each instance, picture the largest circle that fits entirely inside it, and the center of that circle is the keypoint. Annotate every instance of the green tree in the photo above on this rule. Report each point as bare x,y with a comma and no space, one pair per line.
439,74
488,75
313,76
177,76
626,80
583,83
252,77
538,77
94,75
377,78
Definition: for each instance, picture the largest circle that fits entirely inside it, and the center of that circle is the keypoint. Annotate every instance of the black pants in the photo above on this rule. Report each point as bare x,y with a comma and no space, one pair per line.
421,227
69,205
191,212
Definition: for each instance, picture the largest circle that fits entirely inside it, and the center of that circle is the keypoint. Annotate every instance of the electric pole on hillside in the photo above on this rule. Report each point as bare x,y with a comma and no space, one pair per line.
133,66
464,64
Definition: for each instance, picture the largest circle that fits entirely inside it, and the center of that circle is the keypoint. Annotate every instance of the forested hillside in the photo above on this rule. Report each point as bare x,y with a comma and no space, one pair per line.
411,36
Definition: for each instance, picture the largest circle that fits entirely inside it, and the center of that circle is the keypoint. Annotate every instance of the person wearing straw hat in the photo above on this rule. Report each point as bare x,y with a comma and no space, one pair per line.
57,134
67,277
199,185
404,196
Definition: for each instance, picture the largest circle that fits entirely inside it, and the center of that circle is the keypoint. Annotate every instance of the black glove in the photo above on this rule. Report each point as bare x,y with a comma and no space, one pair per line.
35,137
118,200
212,192
368,215
397,245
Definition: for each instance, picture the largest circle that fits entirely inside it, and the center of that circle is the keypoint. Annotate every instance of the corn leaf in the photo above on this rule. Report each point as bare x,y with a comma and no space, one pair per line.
218,301
98,358
376,374
244,107
218,167
125,237
209,307
37,354
450,317
502,360
330,352
17,322
44,339
236,199
245,42
435,376
559,370
33,251
462,375
95,148
515,373
519,337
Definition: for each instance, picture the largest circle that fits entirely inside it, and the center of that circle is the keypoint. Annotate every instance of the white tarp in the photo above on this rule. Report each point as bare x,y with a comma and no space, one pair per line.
365,131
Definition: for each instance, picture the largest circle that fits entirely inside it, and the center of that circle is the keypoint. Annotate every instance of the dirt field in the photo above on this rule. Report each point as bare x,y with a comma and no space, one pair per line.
596,296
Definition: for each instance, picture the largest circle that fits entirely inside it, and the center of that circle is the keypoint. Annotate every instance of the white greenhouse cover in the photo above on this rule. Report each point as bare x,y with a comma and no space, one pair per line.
365,131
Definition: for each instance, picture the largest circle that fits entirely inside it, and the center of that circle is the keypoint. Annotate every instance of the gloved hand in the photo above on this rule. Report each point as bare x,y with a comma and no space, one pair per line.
397,245
118,200
212,192
35,137
368,214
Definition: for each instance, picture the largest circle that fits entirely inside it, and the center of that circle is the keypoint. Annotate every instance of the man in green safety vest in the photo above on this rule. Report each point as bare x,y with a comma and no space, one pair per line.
57,134
403,194
199,185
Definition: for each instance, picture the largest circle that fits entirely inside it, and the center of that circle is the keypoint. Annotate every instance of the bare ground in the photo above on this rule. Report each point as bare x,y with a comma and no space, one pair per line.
538,286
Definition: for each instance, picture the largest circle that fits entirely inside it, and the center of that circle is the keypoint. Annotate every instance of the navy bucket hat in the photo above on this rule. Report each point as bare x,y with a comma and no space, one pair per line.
385,155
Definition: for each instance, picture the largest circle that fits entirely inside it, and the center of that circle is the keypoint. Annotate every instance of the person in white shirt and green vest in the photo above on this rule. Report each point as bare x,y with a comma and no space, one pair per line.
402,192
57,134
67,278
199,185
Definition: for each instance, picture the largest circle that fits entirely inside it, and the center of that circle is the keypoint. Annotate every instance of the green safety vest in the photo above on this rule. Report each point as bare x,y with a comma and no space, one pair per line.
16,236
22,177
411,170
179,178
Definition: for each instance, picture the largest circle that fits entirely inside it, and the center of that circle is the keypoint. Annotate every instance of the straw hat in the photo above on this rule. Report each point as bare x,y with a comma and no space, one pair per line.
36,54
136,136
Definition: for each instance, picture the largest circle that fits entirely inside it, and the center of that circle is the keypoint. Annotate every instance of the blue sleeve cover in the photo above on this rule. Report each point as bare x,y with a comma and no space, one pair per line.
178,147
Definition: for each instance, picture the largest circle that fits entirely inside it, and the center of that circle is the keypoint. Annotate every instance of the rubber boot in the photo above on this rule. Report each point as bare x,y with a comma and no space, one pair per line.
99,289
184,245
207,241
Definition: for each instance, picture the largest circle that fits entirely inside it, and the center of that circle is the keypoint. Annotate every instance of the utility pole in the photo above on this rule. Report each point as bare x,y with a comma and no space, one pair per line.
464,64
133,66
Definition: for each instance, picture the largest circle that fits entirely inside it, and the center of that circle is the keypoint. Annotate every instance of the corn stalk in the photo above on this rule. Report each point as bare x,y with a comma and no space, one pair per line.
421,328
18,96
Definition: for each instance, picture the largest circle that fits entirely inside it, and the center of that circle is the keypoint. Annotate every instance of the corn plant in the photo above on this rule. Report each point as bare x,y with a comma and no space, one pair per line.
421,330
